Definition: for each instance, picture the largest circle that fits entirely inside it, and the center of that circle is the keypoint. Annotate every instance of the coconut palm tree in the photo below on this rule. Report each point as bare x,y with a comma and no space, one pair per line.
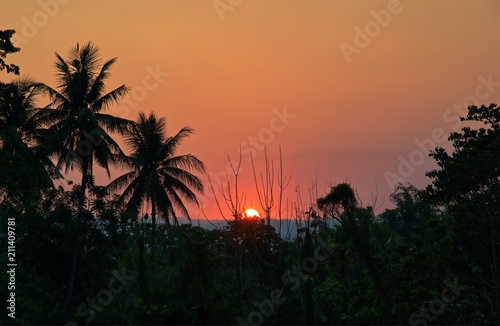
79,131
159,177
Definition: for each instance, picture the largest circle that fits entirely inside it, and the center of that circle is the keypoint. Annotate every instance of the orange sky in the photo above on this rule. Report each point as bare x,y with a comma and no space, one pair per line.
224,65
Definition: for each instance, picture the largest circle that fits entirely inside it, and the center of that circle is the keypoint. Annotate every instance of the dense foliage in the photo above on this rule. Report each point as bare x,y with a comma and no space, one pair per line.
432,259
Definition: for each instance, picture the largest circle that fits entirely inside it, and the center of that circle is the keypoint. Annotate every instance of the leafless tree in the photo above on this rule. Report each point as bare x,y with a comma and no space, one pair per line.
266,188
233,199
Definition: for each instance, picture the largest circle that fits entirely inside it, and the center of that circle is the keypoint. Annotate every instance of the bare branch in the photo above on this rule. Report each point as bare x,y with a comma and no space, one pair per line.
216,200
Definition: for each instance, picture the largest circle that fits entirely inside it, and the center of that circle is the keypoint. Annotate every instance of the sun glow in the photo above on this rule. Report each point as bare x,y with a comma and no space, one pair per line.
250,213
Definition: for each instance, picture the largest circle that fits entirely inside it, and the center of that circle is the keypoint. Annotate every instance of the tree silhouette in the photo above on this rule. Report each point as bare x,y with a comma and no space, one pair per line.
342,205
22,144
18,123
159,177
78,130
6,47
467,184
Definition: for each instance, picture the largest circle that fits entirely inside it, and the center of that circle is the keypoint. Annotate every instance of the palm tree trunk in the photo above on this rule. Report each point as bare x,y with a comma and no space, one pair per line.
76,234
153,218
142,267
153,235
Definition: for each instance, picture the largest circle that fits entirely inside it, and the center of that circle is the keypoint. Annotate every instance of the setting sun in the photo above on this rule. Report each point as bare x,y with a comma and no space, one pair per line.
250,213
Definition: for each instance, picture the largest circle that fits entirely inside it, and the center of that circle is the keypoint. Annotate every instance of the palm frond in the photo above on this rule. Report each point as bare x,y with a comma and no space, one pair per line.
187,161
122,181
110,98
98,87
58,100
63,72
180,176
113,124
164,204
177,201
174,141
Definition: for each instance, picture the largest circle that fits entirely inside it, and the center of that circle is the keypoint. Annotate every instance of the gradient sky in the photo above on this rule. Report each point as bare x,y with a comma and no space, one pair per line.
226,67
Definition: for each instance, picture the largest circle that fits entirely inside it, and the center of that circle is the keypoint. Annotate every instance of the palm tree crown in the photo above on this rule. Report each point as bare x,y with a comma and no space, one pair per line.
159,176
78,129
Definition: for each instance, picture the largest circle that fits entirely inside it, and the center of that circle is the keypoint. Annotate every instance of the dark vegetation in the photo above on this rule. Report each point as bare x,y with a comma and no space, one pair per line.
87,257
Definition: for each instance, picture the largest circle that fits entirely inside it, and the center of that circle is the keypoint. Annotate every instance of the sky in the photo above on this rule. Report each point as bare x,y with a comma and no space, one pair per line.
350,91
